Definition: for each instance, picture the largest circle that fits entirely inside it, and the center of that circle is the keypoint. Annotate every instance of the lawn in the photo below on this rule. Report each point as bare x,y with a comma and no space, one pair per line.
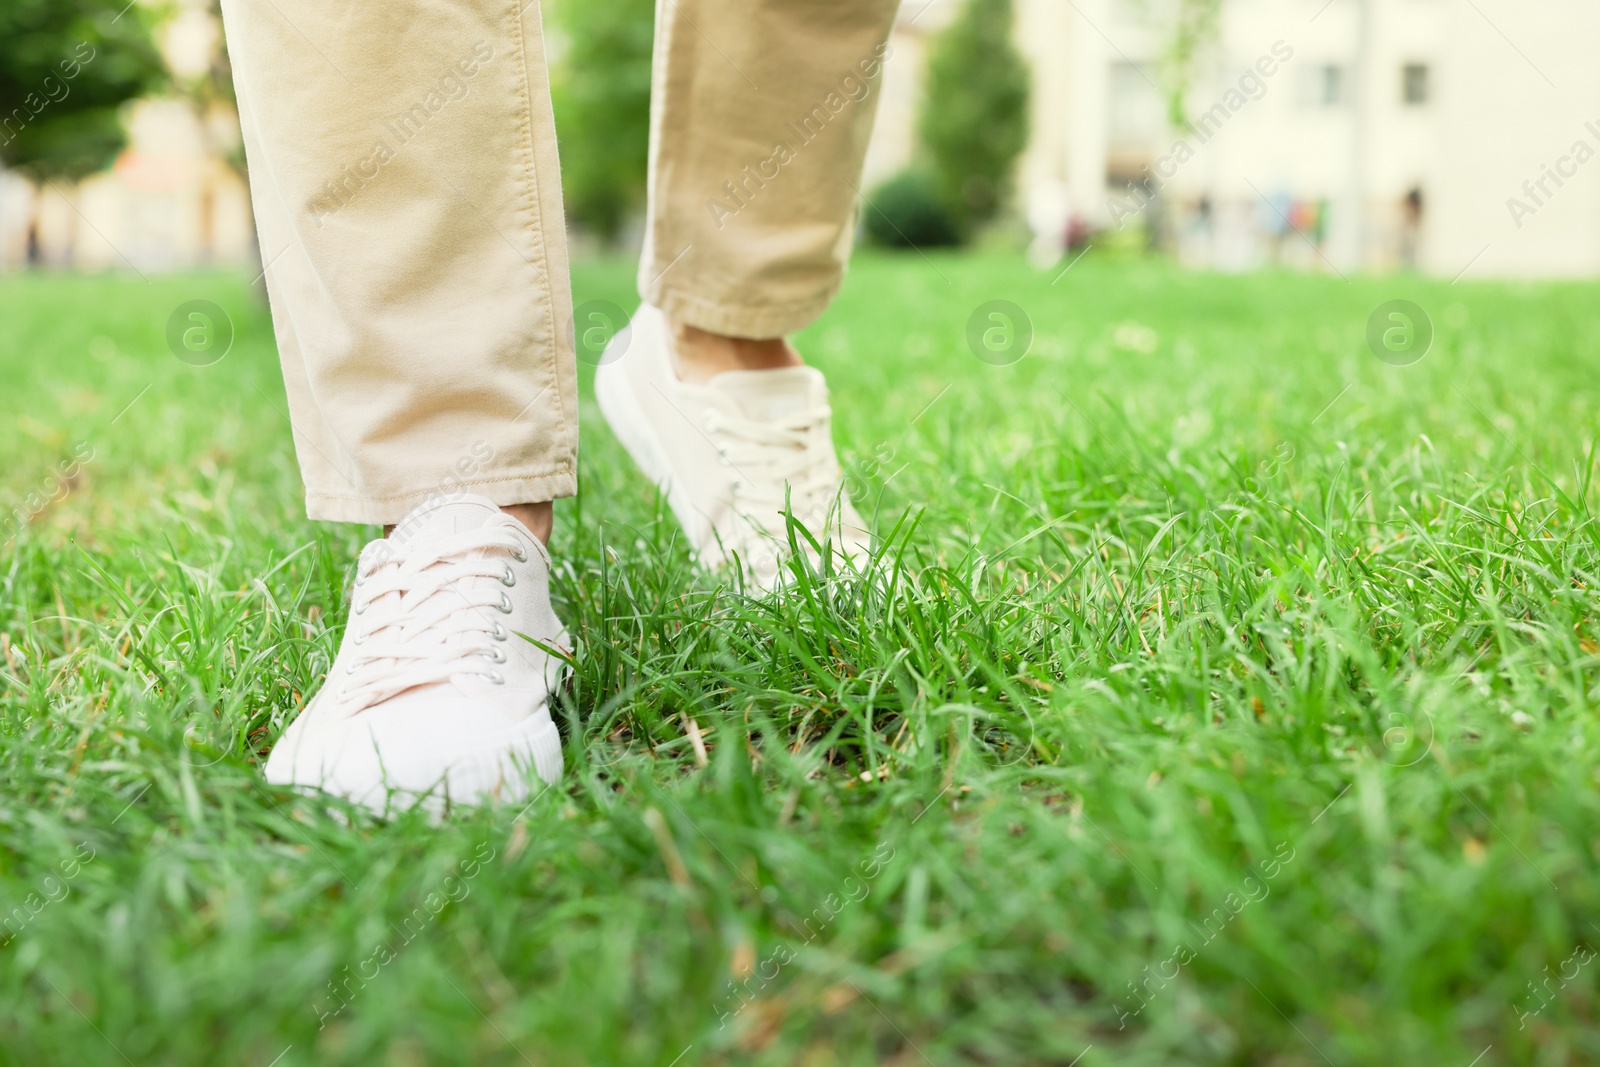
1224,695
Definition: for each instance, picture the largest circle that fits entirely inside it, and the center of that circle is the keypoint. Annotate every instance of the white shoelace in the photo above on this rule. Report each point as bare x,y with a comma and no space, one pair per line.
444,623
767,455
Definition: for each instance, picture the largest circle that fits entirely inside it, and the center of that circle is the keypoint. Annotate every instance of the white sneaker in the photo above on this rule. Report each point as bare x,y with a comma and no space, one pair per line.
726,453
434,697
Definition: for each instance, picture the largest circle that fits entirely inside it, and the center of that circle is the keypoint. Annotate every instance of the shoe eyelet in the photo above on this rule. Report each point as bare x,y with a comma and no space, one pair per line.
360,638
359,609
495,676
520,556
499,633
495,655
505,604
508,579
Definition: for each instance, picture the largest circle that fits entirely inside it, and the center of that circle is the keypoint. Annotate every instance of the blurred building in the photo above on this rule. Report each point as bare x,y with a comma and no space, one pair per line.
1330,134
170,201
1326,134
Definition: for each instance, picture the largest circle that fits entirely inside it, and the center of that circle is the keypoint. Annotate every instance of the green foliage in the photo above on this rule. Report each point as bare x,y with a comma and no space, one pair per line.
1194,29
66,69
906,211
1195,587
974,121
601,94
1189,28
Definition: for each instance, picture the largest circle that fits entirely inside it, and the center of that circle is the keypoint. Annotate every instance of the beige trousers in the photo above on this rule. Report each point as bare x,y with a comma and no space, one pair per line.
408,200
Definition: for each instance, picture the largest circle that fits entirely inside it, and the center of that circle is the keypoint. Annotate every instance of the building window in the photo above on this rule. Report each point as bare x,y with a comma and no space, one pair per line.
1414,84
1323,86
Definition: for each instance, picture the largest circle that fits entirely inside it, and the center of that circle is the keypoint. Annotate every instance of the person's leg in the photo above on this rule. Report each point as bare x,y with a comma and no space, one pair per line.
761,113
403,170
762,110
407,196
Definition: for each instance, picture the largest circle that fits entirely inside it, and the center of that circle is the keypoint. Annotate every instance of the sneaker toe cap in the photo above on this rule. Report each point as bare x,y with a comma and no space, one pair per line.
410,747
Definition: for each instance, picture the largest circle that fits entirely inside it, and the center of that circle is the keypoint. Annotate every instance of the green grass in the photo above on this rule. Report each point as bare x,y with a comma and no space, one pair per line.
1211,653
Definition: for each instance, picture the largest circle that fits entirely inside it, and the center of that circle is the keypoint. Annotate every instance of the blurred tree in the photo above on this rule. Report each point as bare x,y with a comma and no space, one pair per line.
974,121
601,93
1190,27
66,69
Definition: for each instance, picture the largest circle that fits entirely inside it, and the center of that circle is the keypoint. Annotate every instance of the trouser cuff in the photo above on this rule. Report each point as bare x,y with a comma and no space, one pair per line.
740,320
387,511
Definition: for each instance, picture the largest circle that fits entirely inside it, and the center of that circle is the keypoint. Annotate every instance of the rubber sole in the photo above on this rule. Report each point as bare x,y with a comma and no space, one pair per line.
495,772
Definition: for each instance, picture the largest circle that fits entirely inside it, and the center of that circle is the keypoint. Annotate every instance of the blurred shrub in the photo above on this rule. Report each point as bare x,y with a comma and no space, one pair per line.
906,211
66,69
601,93
974,121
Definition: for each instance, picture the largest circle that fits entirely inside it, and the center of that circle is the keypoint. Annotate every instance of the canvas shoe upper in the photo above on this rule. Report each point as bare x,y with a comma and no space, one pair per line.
434,696
730,454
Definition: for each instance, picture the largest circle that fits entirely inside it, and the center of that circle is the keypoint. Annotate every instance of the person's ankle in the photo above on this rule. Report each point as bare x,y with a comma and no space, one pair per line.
539,519
700,355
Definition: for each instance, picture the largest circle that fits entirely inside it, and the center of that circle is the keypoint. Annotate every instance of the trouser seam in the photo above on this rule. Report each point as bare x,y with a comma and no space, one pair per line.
553,357
429,490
